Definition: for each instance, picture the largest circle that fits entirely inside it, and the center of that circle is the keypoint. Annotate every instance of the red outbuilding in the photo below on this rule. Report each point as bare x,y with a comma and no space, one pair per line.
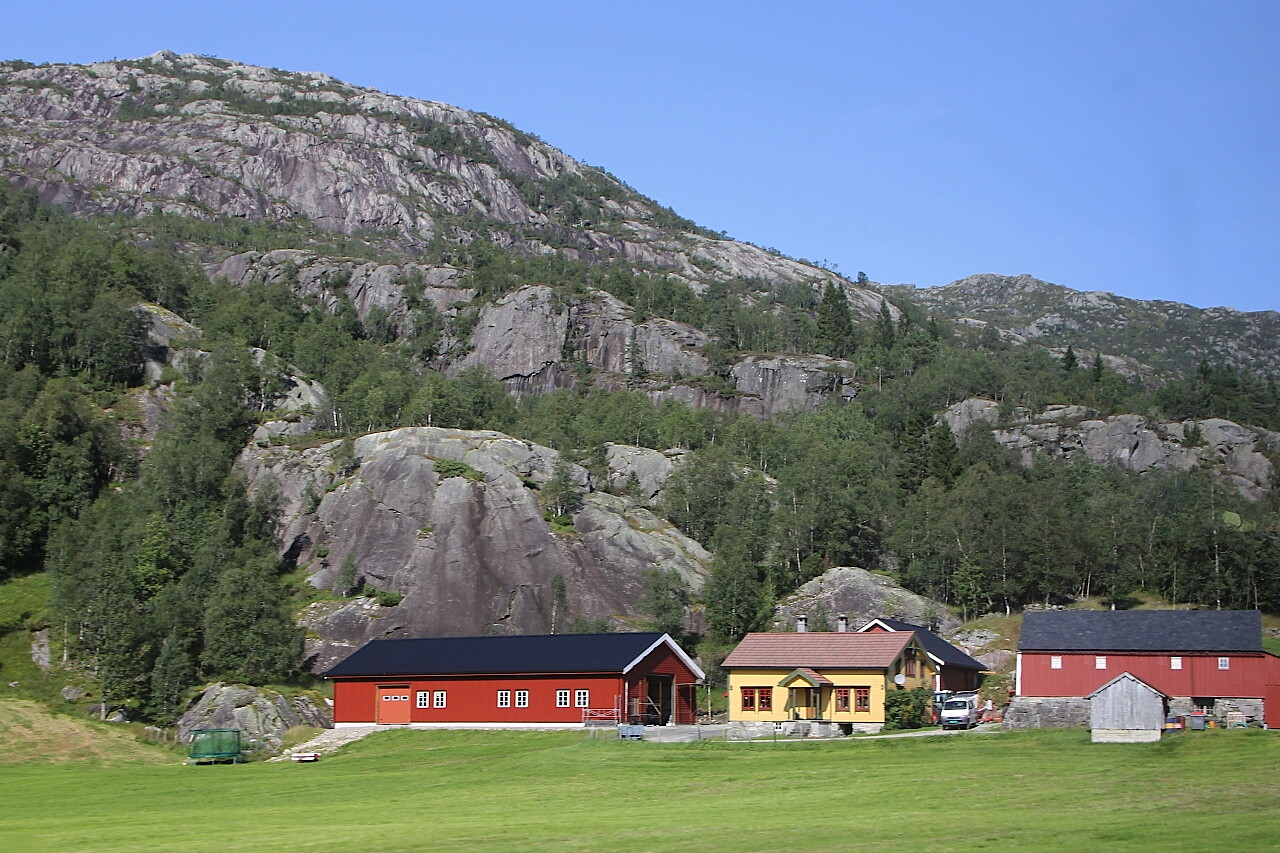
1203,656
512,681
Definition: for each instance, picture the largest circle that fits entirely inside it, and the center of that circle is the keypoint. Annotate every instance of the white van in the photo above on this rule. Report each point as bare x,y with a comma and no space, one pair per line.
959,711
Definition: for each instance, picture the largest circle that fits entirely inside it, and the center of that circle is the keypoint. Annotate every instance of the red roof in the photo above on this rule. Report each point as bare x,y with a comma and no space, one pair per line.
819,650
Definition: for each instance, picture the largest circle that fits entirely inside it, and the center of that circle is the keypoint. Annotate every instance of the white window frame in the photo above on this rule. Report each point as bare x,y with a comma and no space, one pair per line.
1224,663
562,698
522,698
438,699
582,698
1175,662
1055,662
1100,662
424,699
504,698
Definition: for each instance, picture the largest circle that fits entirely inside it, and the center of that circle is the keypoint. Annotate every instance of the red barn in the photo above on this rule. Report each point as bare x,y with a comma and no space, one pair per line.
1202,656
513,681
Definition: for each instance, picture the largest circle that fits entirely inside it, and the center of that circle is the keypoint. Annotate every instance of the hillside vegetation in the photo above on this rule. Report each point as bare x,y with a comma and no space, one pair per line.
521,292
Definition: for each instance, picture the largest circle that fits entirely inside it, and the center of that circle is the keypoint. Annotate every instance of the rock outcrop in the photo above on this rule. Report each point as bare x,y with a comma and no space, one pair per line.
262,716
466,545
1238,453
861,596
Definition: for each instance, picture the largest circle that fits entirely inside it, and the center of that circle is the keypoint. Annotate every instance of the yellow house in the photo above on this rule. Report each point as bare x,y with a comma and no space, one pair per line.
833,677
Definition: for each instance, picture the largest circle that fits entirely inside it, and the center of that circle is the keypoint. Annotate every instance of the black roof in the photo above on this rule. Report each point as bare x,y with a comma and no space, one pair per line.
1142,631
499,654
936,646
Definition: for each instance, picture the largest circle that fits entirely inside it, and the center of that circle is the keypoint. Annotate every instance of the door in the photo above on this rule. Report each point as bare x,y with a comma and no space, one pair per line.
393,705
659,700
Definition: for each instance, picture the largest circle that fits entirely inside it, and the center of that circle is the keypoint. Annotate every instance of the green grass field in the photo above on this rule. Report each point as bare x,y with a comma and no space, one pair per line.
407,790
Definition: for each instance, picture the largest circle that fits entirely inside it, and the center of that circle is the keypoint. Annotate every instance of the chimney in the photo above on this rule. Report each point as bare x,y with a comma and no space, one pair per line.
802,624
842,623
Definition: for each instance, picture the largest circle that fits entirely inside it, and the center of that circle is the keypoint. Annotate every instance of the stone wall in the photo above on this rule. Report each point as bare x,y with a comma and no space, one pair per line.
1046,712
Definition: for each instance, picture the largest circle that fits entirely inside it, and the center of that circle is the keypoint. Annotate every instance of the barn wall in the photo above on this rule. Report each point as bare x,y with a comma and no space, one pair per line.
1199,675
474,699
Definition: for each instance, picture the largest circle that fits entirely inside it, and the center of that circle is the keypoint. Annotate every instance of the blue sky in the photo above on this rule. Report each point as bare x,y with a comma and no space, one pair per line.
1124,146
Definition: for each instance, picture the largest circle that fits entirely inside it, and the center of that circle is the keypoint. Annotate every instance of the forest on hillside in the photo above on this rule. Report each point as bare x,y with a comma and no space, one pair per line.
165,575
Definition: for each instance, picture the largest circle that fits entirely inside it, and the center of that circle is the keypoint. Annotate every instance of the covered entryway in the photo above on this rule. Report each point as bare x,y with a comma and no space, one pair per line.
805,693
393,705
659,690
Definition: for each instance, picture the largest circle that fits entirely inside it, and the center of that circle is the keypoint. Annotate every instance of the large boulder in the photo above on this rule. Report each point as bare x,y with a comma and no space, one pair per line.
262,716
861,596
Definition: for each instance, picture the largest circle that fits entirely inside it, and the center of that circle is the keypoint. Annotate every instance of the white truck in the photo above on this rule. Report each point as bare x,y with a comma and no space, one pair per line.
960,711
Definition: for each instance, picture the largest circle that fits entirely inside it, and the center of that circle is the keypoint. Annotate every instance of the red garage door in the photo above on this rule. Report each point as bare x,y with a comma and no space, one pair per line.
393,705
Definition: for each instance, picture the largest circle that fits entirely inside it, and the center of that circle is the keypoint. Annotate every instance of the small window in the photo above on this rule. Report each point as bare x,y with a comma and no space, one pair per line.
424,698
764,698
911,666
504,698
1100,662
1055,662
748,698
1175,662
562,698
582,699
1224,663
862,698
842,698
437,700
522,698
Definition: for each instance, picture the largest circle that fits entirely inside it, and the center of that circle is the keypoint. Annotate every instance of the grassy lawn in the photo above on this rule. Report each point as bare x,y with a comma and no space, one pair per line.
407,790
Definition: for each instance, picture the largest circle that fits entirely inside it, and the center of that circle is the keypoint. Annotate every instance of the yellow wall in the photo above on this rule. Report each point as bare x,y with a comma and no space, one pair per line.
876,679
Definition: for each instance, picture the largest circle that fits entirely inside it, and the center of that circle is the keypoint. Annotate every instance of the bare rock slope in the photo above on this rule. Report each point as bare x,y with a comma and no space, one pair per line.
467,546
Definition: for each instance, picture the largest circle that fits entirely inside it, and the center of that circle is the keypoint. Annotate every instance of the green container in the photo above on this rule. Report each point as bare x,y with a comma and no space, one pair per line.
215,745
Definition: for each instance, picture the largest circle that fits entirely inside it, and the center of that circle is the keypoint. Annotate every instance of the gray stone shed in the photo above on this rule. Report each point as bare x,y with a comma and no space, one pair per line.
1126,710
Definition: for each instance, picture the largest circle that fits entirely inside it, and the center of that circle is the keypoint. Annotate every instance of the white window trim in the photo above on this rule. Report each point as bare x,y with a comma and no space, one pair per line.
504,698
438,699
1224,663
1100,662
1055,662
424,699
582,698
562,698
522,698
1175,662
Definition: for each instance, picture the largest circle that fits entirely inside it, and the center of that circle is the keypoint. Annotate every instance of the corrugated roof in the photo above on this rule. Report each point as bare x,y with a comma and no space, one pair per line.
934,645
550,653
819,650
1142,631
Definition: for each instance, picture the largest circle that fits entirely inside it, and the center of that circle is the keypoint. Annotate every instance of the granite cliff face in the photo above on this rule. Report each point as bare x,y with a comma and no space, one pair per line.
1238,453
206,137
471,553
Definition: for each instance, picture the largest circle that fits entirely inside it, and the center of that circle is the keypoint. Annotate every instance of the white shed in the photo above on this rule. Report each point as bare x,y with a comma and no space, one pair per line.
1126,710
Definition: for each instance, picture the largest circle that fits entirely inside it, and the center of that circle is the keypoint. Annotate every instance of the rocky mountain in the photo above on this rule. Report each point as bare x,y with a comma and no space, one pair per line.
396,179
1155,337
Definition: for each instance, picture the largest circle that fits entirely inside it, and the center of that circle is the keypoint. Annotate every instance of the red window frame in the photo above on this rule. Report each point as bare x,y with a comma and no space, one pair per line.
764,698
911,666
862,698
748,698
842,698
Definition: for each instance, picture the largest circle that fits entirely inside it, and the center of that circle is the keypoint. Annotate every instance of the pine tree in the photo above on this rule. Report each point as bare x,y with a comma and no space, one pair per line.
835,323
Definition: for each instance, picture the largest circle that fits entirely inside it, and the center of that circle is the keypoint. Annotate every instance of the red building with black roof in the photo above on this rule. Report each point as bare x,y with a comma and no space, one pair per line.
1200,655
515,680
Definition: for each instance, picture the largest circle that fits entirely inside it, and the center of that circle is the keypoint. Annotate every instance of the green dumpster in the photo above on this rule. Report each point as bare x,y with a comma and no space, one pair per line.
215,745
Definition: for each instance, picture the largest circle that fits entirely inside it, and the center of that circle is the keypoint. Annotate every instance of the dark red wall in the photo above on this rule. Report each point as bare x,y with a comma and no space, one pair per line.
474,699
1199,675
663,661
